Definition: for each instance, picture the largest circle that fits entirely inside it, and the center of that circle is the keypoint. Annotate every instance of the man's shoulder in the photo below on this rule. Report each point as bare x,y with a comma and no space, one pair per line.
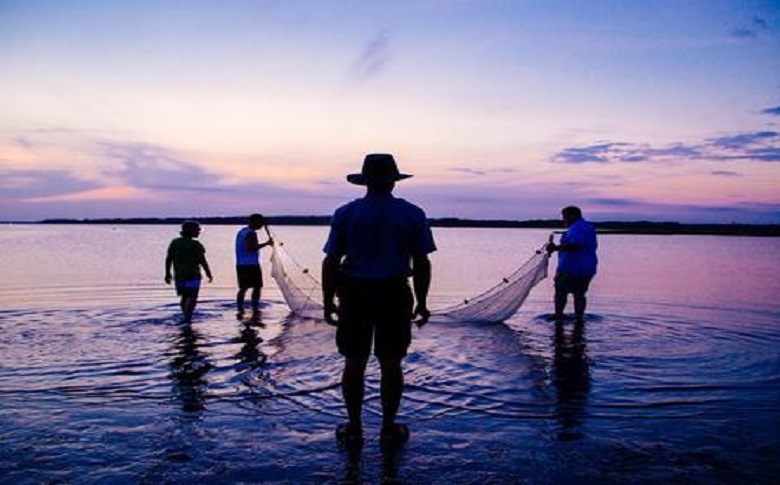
410,207
351,203
185,241
586,225
581,224
395,202
349,206
192,242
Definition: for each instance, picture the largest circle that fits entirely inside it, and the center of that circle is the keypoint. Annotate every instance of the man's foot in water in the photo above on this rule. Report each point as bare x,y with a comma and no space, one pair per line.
349,435
393,437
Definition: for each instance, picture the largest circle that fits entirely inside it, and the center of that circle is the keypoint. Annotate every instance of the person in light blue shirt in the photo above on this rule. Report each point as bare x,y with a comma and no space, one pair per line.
577,262
374,246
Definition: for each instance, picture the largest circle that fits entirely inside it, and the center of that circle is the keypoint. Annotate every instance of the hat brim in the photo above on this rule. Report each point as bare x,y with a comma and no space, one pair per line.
360,179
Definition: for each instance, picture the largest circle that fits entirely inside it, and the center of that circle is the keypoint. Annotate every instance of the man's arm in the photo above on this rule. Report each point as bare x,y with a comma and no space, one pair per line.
206,269
204,262
574,241
331,268
565,247
250,242
168,264
421,276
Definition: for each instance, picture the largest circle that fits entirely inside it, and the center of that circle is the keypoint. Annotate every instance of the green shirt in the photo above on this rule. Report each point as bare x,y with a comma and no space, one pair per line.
186,254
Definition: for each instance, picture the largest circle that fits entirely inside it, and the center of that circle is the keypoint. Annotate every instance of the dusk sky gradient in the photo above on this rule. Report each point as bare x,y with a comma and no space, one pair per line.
651,110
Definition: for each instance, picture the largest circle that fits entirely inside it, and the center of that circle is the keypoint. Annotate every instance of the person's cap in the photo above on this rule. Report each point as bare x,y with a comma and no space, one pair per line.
378,168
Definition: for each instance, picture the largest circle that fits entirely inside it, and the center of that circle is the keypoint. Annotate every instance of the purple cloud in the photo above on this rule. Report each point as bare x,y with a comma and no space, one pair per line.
148,166
28,184
481,172
373,58
760,146
750,31
771,111
611,202
743,140
599,153
725,173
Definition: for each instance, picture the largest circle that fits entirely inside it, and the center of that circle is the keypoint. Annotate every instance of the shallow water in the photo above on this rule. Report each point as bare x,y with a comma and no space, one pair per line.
674,376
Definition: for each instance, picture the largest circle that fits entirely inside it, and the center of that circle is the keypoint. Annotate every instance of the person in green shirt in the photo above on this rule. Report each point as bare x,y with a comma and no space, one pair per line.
186,256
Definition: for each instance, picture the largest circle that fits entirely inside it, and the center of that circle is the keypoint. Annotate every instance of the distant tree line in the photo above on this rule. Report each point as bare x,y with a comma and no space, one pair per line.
608,227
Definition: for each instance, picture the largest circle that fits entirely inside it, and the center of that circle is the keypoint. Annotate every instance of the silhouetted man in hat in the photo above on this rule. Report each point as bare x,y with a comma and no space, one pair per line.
375,244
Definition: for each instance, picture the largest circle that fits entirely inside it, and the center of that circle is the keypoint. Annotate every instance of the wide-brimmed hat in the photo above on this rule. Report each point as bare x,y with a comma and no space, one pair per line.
378,168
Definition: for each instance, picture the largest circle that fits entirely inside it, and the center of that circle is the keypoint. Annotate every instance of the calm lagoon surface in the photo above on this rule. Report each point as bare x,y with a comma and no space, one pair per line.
675,376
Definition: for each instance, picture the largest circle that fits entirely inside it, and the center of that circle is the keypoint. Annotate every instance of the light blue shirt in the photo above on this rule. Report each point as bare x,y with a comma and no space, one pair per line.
377,236
244,257
583,261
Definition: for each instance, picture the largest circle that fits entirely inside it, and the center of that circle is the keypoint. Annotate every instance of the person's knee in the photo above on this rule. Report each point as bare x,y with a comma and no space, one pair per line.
355,365
390,365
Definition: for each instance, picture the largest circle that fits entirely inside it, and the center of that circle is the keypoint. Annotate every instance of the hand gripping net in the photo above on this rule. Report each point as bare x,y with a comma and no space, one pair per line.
303,292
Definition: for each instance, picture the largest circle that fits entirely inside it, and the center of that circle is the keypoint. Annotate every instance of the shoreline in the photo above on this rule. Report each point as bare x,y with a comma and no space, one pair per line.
603,227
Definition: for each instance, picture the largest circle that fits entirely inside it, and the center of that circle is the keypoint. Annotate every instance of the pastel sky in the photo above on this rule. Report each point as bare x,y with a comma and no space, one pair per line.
653,110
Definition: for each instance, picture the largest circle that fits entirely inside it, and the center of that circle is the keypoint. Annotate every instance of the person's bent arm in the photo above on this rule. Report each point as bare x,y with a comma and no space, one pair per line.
565,247
421,275
330,281
250,242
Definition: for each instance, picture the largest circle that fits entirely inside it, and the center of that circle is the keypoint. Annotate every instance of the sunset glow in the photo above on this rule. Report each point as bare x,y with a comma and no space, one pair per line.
656,110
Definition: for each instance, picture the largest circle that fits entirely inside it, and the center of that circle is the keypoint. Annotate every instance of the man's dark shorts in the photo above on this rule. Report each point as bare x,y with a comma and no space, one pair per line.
374,311
249,276
188,288
567,283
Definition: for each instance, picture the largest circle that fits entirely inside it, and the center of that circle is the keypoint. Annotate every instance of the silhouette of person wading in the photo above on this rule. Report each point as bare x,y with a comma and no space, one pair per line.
375,244
248,270
577,262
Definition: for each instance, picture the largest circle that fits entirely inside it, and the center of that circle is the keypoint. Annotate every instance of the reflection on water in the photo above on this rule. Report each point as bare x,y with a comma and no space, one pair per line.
99,383
481,400
571,371
189,366
250,357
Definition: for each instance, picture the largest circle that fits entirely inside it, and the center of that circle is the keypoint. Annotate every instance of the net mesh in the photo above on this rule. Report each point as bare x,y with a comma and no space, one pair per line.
303,292
503,300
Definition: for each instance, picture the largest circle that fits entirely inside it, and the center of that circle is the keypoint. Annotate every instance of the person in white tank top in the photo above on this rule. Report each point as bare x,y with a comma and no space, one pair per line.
248,268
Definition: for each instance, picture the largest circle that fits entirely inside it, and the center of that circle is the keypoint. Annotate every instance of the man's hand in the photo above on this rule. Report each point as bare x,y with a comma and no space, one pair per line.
424,314
330,311
168,279
551,247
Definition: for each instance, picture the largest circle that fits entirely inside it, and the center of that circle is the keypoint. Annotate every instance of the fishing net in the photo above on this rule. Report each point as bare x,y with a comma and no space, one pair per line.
303,292
503,300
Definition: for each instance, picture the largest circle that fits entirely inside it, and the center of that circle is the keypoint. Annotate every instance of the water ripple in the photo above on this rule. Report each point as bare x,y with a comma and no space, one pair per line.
125,372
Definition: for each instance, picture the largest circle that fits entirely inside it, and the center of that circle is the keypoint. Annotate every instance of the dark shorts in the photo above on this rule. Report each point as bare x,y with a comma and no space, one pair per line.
377,312
188,288
566,283
249,276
